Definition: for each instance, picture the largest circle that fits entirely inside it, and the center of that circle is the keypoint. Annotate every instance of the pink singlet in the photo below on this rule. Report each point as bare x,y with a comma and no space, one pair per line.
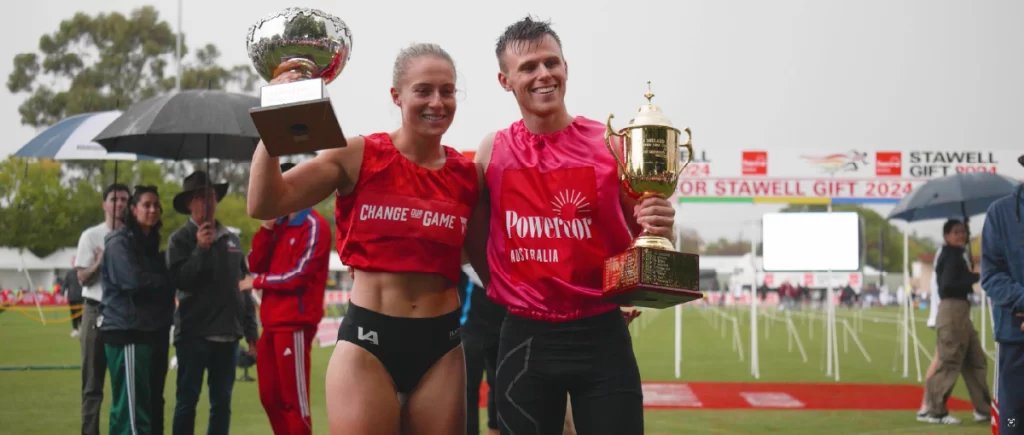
555,218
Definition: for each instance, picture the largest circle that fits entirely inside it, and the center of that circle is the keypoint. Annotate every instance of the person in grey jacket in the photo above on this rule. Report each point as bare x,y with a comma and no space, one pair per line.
138,303
209,270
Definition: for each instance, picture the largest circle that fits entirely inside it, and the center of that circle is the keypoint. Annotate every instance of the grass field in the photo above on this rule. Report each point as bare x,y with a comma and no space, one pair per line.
48,401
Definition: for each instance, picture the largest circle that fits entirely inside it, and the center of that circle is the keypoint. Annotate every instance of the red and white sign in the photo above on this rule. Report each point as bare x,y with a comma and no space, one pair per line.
698,167
868,175
32,297
888,164
796,187
755,163
814,279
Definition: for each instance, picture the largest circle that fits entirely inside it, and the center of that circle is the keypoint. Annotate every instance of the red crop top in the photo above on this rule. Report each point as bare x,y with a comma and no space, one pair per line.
402,217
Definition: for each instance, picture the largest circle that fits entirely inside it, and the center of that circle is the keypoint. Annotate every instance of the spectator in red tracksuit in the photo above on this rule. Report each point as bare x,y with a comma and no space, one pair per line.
290,256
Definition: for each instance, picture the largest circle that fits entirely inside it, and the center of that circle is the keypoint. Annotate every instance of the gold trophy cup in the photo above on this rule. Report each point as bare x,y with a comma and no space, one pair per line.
651,273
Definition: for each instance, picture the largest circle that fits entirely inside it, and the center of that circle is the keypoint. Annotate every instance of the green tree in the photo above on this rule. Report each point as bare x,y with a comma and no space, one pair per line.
128,53
879,236
39,213
108,62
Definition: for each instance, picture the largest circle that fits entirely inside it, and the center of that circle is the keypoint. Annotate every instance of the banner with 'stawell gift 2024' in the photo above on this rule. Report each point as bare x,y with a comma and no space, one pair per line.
855,176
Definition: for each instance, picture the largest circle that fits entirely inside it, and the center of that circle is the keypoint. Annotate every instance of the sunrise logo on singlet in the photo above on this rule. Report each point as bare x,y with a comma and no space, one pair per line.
549,223
403,216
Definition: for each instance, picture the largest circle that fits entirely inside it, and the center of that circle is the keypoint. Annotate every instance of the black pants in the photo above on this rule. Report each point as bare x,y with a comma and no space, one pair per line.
197,357
75,307
591,359
158,378
480,343
1011,377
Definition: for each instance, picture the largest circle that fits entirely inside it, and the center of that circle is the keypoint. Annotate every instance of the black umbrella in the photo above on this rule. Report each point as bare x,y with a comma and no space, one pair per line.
187,125
964,194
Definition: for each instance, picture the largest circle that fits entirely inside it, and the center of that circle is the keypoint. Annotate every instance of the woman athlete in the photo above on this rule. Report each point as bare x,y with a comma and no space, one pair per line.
403,202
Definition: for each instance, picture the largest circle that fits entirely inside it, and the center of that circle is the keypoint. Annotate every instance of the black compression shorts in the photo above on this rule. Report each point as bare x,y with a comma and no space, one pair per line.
407,347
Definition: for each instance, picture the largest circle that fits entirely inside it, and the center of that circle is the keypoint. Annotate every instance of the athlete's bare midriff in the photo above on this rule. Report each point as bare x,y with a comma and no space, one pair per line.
417,295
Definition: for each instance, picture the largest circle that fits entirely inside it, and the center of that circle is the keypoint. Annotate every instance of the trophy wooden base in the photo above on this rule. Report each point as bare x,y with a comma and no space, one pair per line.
298,128
652,278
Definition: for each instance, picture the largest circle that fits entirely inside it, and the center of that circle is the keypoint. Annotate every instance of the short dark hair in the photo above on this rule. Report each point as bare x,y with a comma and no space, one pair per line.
950,224
524,30
116,187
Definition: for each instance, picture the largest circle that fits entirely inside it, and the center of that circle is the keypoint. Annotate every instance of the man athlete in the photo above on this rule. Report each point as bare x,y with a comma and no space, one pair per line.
552,211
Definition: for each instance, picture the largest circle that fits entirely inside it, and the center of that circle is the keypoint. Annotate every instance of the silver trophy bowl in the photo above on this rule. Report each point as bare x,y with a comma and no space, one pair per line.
318,42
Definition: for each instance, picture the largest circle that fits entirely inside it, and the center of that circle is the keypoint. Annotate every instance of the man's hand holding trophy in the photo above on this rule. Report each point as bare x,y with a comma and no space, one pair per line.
651,273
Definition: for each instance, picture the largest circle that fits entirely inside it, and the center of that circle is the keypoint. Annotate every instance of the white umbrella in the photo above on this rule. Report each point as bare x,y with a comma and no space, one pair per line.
72,139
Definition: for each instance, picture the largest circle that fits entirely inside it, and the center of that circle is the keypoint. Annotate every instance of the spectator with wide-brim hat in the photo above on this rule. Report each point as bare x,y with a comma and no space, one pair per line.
198,182
209,270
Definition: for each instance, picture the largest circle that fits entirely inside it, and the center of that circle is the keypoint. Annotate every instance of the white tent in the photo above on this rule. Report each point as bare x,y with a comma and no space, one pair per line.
16,268
60,259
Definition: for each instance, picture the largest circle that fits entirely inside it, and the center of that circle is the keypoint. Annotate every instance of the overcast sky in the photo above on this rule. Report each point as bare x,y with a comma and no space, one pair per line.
825,76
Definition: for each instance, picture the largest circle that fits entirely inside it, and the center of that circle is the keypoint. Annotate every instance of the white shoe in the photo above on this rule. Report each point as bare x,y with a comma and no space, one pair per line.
981,418
74,333
948,419
174,363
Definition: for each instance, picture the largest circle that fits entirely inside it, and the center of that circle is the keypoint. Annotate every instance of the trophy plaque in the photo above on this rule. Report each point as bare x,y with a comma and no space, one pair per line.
297,117
651,273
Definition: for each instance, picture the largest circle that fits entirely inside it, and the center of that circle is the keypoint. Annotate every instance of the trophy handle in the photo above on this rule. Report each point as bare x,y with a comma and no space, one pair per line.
608,135
689,152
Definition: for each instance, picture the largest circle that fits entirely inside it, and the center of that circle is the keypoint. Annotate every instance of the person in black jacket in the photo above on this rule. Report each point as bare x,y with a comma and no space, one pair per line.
958,349
208,269
138,303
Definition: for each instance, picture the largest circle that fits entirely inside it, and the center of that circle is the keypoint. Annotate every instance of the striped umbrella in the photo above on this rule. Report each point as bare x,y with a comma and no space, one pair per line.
72,139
